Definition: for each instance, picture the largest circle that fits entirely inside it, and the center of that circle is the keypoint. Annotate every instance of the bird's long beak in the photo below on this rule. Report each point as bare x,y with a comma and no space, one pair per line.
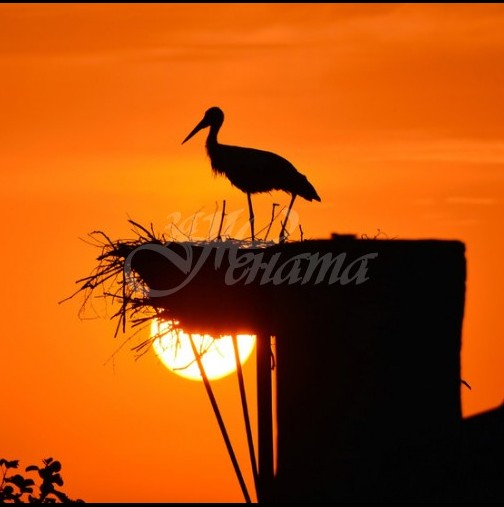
201,125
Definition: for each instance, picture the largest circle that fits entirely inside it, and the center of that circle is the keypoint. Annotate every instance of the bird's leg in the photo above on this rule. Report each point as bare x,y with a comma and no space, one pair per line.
282,232
251,215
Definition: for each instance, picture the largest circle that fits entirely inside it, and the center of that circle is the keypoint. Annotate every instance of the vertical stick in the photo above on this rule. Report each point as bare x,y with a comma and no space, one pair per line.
271,221
265,416
220,421
282,232
222,219
246,418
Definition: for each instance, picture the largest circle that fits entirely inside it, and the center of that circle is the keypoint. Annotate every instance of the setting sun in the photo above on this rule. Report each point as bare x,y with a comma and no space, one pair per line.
173,348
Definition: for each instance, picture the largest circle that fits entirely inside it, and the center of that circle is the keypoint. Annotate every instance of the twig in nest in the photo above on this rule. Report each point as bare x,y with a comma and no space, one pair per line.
213,220
223,214
192,222
271,220
150,236
114,284
377,235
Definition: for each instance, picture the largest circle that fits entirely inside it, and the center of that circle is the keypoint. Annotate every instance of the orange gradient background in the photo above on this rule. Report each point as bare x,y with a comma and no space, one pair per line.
394,112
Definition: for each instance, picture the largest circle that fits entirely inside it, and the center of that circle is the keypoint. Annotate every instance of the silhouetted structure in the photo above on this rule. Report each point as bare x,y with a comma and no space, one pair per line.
368,367
252,171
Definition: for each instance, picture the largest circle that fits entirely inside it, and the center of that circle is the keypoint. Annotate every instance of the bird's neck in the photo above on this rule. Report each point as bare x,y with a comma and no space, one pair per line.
211,141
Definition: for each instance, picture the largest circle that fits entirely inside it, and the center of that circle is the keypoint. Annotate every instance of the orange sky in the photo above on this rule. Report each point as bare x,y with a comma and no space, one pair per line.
394,112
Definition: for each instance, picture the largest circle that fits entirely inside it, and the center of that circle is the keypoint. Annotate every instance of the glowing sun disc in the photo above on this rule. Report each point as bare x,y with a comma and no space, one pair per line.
173,348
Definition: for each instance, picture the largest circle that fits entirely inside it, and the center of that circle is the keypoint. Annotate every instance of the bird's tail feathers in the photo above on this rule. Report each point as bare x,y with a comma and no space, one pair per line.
308,191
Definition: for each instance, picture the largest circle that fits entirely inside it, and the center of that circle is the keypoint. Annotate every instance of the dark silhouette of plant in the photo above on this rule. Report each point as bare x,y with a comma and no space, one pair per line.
18,489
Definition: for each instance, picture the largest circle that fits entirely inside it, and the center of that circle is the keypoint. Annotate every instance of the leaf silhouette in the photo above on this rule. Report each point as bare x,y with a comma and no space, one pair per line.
17,479
61,496
54,467
56,479
18,489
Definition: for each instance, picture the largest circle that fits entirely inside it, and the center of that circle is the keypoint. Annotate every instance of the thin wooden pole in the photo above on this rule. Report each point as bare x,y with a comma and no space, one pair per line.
222,427
265,416
246,418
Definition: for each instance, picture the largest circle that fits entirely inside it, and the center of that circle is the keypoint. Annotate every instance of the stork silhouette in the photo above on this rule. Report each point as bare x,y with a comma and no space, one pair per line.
252,171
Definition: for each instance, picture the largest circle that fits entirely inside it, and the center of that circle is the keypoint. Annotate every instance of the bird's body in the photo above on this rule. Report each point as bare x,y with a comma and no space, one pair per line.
257,171
251,170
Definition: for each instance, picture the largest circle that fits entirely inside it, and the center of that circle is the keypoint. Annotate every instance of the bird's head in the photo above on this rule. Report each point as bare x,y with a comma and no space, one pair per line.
213,117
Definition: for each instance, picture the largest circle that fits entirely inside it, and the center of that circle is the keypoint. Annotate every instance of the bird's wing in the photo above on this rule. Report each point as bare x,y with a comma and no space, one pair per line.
253,171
